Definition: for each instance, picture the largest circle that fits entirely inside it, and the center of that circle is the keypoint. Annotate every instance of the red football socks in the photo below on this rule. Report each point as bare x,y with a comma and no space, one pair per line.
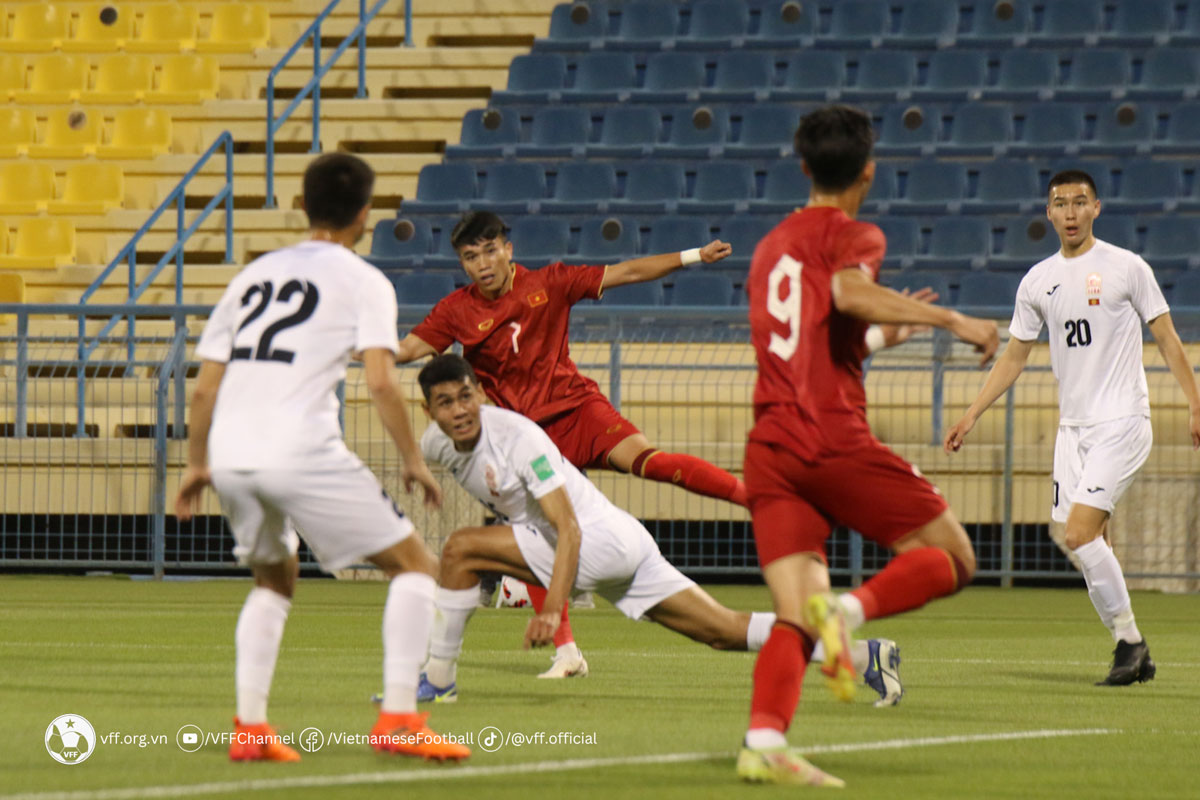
910,580
537,596
778,673
694,474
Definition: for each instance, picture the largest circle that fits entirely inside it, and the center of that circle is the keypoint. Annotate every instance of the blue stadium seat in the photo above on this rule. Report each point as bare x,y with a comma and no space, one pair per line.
689,136
932,187
988,289
742,75
672,77
1099,170
628,131
389,251
596,248
646,25
1117,134
957,244
674,233
980,129
1148,186
1025,75
576,26
903,241
699,289
1186,292
443,257
1006,185
1027,240
1142,23
721,187
512,187
582,186
785,188
743,233
1116,229
767,131
813,75
883,189
990,28
1183,130
927,23
443,188
422,288
1190,35
915,280
1172,242
1169,73
534,78
1050,129
717,25
1096,74
884,75
954,75
858,23
539,240
651,187
649,293
604,78
480,141
785,24
896,138
1071,22
559,131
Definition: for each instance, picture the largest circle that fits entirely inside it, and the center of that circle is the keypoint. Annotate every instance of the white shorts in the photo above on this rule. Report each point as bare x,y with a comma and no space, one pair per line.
1094,464
619,561
344,515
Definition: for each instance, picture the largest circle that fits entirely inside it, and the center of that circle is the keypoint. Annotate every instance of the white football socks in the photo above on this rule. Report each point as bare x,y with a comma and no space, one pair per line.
860,654
259,632
1106,588
407,622
454,608
758,630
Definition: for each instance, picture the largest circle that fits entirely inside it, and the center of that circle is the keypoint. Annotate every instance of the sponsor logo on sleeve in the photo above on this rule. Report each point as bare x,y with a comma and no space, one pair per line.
541,467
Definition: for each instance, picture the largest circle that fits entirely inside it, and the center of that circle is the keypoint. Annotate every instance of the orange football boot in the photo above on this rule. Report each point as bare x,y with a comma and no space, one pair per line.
407,734
258,742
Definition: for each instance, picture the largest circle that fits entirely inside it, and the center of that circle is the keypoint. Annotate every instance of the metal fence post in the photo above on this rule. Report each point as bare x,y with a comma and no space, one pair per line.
614,369
941,351
362,50
316,92
856,558
21,418
1006,526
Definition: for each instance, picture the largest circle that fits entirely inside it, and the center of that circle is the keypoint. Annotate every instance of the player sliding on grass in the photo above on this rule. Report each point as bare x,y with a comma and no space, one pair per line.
812,461
1093,297
265,433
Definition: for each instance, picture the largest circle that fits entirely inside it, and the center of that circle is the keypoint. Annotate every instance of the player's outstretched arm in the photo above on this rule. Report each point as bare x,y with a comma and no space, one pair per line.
556,505
389,401
197,476
1002,376
413,347
649,268
1163,329
893,335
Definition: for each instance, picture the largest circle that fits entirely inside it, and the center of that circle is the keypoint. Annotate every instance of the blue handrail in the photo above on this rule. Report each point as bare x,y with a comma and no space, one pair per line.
313,87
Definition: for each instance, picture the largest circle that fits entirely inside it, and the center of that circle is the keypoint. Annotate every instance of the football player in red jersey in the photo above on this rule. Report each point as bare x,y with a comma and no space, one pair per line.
512,323
811,460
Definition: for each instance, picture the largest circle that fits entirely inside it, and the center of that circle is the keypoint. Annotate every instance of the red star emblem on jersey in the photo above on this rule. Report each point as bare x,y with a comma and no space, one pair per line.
538,298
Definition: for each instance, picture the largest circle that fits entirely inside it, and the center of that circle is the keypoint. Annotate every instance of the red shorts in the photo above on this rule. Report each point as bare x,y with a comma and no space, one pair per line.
794,504
589,432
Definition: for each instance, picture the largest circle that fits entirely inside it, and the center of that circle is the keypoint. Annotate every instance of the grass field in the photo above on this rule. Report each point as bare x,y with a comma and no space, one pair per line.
1000,701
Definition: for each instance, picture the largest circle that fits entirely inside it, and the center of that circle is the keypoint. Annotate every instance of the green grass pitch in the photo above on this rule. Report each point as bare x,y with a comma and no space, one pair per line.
143,658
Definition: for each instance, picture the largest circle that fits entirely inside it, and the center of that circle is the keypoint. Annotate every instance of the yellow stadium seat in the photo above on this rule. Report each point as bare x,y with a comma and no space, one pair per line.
42,242
37,28
56,79
12,286
166,28
138,133
102,28
91,188
18,129
26,187
121,79
12,75
3,238
187,79
70,133
237,28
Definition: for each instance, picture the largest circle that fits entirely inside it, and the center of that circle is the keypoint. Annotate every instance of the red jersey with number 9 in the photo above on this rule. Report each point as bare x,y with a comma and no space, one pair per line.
517,343
809,396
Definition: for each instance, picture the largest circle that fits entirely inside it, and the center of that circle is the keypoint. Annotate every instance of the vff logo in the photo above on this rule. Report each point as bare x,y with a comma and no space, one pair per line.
70,739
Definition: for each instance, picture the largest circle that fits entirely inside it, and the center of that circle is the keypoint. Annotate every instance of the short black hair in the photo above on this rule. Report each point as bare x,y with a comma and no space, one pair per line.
1072,176
446,368
337,186
476,227
835,142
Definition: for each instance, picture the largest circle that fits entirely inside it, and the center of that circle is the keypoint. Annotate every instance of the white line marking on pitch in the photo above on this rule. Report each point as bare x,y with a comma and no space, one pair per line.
452,773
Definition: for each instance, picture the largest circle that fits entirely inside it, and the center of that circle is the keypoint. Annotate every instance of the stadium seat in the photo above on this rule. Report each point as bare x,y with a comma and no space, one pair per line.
884,75
583,186
55,78
187,79
138,133
743,233
896,137
927,23
717,25
1096,74
26,187
1186,291
422,288
628,131
94,35
646,25
604,78
1143,23
42,243
648,293
512,187
121,79
534,77
91,188
538,241
1071,22
478,140
37,28
915,280
1183,130
596,246
742,75
957,244
883,189
12,286
980,129
932,187
699,289
70,133
1169,73
1027,240
1116,229
767,131
18,130
813,75
858,23
672,77
903,240
559,131
785,24
12,75
721,187
389,251
1172,242
671,234
1025,75
237,28
988,289
1148,186
651,187
991,28
1050,129
696,132
785,188
1119,134
443,188
166,28
954,75
575,26
1004,186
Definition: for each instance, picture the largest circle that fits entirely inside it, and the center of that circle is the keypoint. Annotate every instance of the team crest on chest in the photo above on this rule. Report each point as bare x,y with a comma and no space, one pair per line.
486,325
1093,289
489,477
538,298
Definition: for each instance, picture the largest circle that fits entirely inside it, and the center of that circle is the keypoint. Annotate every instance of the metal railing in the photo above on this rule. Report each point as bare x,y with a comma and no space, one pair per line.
313,86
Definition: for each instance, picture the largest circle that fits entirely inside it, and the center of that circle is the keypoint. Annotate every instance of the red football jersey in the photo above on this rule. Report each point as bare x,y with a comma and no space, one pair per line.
810,396
517,343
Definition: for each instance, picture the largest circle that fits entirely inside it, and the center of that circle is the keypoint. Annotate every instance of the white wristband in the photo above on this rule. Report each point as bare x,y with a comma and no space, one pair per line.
690,256
874,339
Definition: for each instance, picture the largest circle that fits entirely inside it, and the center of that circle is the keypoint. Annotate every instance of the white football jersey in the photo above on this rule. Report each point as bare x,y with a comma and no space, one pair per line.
1094,306
286,328
512,466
